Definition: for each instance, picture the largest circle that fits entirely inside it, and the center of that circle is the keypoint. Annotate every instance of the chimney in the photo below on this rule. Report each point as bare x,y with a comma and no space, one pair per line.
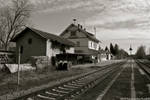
75,21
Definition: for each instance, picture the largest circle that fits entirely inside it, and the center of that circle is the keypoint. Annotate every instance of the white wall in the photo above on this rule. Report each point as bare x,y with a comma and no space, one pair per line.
103,57
93,45
71,50
53,52
48,49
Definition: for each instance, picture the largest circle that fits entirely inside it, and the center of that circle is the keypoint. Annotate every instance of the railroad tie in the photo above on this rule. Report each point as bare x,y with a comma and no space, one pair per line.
80,83
45,97
75,85
71,86
54,94
59,91
63,88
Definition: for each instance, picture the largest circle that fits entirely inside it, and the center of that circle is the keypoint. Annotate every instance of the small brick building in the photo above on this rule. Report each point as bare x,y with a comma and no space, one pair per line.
33,42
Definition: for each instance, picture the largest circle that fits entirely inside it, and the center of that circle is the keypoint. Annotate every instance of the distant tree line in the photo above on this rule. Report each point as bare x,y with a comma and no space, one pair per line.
116,51
140,53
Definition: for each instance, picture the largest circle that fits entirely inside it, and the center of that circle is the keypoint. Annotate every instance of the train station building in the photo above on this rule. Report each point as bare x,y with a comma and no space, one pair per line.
74,44
86,44
33,42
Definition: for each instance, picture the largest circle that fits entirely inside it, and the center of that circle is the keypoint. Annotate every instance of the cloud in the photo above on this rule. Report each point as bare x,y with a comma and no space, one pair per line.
135,23
108,13
122,24
113,17
123,14
45,6
63,7
40,2
121,34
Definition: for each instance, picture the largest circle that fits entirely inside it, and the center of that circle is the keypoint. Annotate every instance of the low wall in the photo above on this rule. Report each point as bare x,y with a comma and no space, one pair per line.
40,61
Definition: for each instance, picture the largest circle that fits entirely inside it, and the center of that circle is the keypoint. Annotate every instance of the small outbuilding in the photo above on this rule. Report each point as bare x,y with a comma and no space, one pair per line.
33,42
105,55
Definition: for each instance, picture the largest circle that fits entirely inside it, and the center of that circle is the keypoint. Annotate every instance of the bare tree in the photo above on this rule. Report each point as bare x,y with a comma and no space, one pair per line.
13,19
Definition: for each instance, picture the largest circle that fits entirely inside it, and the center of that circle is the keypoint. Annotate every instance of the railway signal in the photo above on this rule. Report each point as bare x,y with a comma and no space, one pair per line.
130,49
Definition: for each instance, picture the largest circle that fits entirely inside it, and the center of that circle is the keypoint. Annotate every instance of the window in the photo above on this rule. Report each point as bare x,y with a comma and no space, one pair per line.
29,41
78,43
73,33
21,49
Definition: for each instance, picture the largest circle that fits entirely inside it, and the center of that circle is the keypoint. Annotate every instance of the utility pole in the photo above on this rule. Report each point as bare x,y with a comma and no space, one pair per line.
95,30
18,75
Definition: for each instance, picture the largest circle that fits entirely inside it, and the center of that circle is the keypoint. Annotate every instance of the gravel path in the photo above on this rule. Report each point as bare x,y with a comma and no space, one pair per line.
103,63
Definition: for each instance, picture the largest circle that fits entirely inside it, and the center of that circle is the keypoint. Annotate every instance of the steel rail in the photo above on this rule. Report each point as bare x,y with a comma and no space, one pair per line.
68,90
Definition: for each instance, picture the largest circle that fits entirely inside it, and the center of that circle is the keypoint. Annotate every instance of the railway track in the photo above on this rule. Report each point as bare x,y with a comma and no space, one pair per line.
75,87
144,66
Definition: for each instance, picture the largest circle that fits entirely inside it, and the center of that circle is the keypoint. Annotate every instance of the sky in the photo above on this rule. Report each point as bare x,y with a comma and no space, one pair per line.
125,22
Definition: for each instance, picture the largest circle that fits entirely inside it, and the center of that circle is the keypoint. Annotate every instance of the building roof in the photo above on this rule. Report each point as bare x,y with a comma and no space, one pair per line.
89,35
45,35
